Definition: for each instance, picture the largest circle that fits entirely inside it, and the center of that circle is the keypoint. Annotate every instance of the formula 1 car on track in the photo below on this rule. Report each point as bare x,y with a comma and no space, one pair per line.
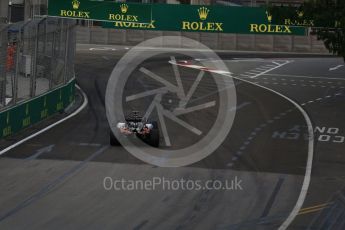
136,125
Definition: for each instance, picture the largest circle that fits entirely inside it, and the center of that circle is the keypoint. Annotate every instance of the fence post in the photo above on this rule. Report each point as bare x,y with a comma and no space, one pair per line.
53,57
34,63
66,54
3,60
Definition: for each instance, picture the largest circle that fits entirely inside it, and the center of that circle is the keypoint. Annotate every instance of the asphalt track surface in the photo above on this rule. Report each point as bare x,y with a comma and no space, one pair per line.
62,186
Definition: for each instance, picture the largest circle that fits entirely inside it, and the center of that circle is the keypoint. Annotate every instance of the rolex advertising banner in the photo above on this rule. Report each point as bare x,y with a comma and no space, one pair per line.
99,10
165,17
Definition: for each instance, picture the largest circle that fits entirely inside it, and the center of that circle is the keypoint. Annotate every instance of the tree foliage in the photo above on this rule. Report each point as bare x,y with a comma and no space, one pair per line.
329,17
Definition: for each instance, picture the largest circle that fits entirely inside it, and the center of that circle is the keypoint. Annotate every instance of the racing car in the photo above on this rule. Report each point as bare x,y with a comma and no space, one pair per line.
135,124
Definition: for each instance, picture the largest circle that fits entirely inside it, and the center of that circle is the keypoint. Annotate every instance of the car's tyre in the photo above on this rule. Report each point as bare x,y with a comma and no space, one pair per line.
113,139
154,124
153,139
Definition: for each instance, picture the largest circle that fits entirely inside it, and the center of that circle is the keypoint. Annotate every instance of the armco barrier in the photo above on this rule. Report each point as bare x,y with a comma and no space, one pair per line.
35,110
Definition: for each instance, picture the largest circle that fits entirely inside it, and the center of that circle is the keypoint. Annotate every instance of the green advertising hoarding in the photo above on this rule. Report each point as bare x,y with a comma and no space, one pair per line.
30,112
219,19
166,17
100,10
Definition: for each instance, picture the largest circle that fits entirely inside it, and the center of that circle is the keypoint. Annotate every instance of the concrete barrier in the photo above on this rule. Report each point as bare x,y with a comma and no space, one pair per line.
210,40
238,42
317,46
191,35
264,42
148,34
83,35
99,36
245,42
171,43
282,43
227,42
116,36
134,37
301,44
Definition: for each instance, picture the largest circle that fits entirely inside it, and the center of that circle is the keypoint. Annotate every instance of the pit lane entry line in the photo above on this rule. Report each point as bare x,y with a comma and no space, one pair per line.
50,126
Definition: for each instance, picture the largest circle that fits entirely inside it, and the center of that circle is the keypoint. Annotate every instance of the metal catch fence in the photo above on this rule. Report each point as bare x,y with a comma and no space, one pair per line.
35,57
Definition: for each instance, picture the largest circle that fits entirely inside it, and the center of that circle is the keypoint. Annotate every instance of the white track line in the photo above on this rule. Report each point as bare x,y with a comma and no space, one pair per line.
297,76
309,165
50,126
257,71
269,70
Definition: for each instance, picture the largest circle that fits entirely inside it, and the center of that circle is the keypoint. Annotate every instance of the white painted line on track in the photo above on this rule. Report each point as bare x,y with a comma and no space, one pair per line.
306,181
273,68
335,68
298,76
236,108
251,73
39,152
102,49
256,71
248,60
50,126
277,63
119,47
309,165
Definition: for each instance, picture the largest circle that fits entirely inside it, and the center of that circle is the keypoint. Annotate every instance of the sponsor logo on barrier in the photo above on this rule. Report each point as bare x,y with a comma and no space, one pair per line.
44,112
124,20
269,16
7,130
203,12
124,8
59,106
300,21
75,13
75,4
269,28
201,25
31,112
27,120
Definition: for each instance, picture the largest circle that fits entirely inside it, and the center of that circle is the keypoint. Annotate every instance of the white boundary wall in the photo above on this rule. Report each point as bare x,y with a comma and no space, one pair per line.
274,43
